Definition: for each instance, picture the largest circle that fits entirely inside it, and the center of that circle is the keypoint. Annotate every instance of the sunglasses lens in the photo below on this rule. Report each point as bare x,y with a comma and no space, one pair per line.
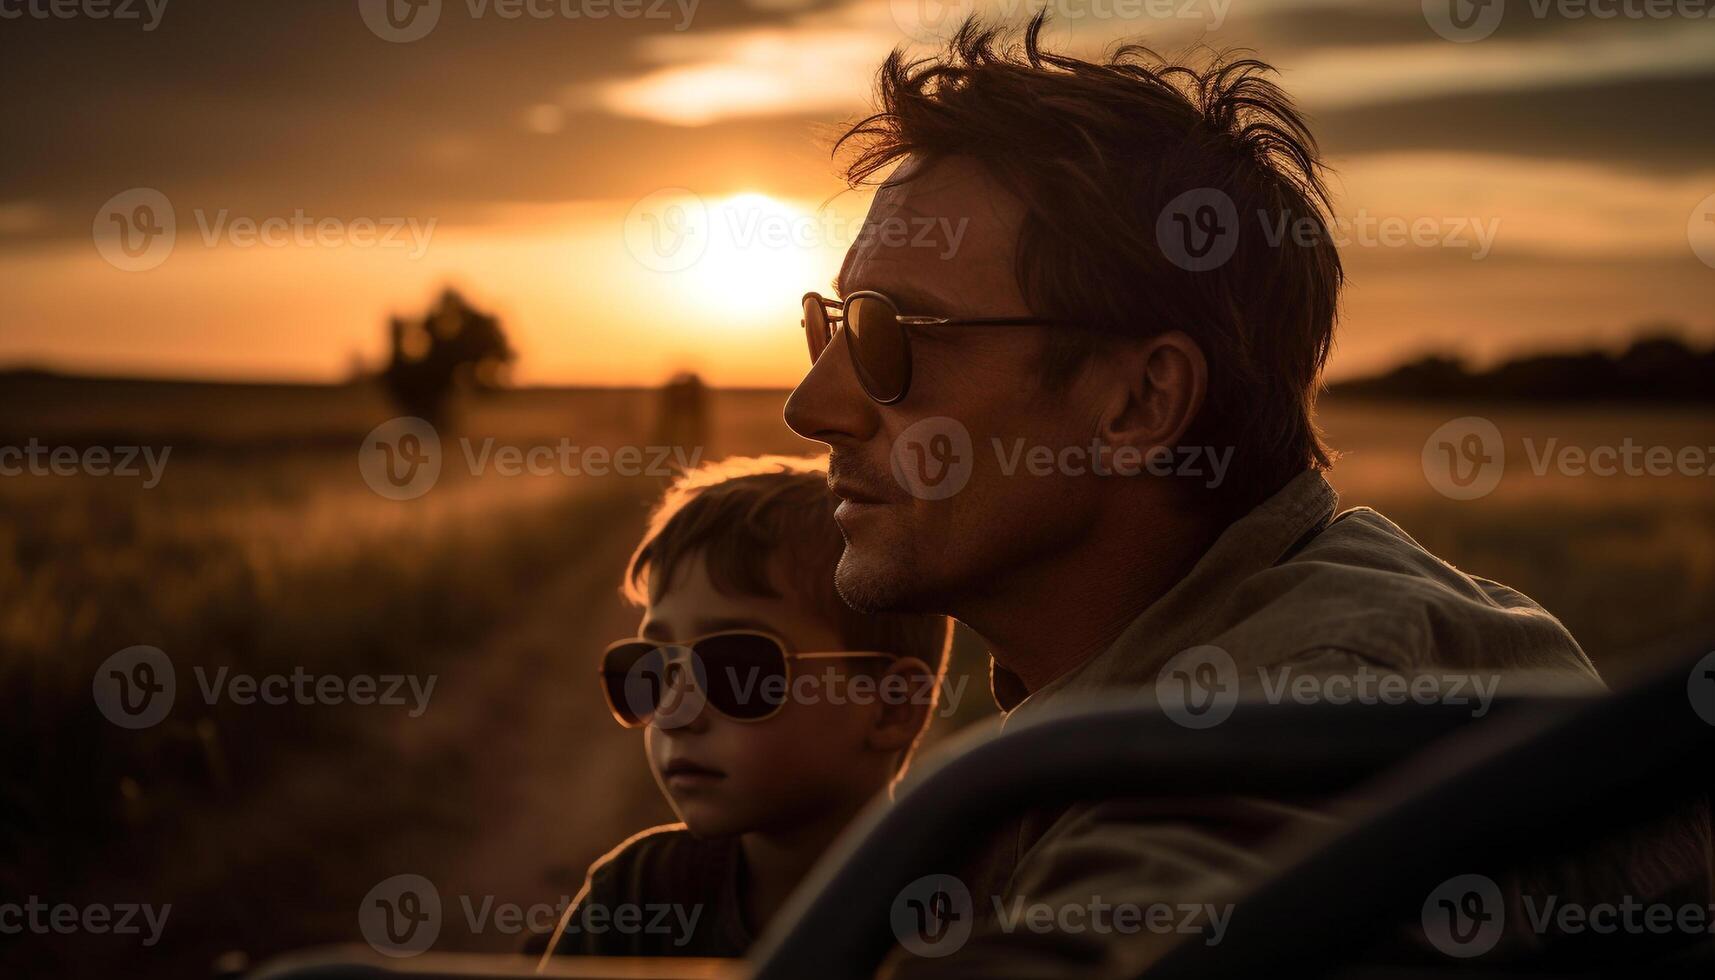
817,331
746,674
632,677
646,683
878,347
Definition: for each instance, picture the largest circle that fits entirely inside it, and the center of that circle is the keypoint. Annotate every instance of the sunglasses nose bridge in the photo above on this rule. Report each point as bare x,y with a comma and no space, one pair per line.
676,666
679,680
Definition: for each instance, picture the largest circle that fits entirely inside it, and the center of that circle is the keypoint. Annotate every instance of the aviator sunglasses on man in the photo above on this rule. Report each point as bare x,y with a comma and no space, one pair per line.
877,339
743,674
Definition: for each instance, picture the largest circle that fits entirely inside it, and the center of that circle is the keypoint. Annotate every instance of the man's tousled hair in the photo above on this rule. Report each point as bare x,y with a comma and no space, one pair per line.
1096,151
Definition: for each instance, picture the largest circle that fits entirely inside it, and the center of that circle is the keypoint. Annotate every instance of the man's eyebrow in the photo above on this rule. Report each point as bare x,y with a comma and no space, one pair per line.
910,300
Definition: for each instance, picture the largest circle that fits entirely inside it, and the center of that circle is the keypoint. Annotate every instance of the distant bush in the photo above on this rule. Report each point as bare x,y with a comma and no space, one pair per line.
1659,369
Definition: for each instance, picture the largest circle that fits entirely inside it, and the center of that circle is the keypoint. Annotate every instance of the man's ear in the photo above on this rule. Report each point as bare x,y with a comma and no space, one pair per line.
1158,385
905,692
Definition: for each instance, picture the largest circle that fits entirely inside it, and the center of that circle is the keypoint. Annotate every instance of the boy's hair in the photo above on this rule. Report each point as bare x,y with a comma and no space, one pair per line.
1098,151
763,524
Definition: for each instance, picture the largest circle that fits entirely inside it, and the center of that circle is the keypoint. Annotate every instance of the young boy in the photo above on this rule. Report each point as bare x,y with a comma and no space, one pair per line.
771,712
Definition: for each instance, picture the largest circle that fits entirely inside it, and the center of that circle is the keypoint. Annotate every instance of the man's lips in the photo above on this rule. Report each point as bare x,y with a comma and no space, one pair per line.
856,491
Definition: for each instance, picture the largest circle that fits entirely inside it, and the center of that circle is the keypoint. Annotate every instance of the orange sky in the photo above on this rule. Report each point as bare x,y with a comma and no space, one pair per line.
1539,187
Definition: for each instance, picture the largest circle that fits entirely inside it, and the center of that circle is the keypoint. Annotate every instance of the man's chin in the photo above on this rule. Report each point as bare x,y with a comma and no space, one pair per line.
872,578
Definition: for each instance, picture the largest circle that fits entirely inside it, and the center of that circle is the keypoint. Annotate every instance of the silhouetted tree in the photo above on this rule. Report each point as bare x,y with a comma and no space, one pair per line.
454,348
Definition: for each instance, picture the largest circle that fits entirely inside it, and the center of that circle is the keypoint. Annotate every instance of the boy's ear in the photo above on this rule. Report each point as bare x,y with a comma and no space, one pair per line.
905,695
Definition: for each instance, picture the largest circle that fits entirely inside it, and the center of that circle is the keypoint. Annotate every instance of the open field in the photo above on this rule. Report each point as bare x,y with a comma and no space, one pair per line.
262,549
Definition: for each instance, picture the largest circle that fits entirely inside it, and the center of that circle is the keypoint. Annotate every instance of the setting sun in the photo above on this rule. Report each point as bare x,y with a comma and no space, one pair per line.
762,254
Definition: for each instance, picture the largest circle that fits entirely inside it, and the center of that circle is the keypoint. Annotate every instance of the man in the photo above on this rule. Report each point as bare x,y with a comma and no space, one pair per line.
1081,423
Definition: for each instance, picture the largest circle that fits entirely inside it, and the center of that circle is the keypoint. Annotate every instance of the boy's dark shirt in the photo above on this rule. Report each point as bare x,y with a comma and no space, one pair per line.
661,867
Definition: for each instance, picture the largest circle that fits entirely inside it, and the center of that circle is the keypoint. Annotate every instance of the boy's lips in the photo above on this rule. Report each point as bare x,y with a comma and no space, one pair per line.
684,772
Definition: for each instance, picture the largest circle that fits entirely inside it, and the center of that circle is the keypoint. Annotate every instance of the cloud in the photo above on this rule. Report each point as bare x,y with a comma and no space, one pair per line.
1651,125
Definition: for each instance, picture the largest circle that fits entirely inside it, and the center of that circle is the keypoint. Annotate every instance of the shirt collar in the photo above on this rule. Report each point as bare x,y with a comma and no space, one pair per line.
1193,608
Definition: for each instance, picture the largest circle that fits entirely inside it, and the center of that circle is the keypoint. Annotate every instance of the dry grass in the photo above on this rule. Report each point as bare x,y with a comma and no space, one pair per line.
263,550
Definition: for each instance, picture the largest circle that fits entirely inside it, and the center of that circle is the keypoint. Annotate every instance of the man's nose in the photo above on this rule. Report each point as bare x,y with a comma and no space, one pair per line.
829,405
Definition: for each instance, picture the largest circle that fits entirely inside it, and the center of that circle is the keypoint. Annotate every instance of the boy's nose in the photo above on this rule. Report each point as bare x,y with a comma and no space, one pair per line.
829,404
682,703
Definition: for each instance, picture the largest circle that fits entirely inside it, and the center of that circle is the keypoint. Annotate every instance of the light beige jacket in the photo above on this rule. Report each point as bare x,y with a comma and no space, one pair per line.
1288,587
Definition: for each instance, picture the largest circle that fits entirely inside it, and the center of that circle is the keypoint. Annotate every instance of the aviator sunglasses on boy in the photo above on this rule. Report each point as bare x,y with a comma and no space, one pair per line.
742,674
